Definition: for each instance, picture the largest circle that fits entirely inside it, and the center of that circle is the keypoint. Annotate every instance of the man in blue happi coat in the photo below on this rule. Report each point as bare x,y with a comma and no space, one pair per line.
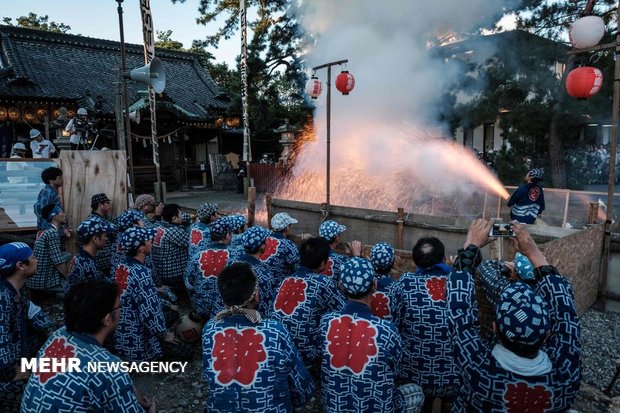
141,330
332,231
53,180
281,254
254,245
170,247
250,364
421,315
382,259
101,206
93,236
535,362
92,311
528,200
237,225
23,326
362,353
305,296
199,234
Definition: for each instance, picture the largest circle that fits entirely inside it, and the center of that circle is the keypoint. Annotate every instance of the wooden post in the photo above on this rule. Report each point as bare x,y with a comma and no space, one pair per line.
323,211
400,219
269,208
251,206
593,213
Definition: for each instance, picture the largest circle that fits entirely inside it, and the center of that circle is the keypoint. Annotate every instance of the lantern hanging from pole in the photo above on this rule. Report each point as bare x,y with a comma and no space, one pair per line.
584,82
314,87
586,32
345,82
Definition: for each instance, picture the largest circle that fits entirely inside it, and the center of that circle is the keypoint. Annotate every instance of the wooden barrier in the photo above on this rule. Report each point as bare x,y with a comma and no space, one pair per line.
87,173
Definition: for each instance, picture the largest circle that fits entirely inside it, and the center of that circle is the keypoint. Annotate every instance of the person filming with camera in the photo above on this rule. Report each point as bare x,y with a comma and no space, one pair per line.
80,128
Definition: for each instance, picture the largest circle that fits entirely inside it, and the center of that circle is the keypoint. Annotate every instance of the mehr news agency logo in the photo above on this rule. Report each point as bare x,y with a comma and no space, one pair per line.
54,365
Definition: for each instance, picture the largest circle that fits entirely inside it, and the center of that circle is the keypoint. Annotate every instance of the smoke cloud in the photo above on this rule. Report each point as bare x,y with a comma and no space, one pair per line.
386,126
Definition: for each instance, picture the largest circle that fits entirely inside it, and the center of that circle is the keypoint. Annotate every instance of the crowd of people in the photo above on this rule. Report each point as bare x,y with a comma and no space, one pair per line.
278,320
591,166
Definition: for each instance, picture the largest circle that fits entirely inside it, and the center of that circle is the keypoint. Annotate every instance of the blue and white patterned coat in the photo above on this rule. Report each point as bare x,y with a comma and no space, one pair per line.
301,301
104,255
267,283
253,367
199,238
47,196
142,319
201,279
14,331
421,316
361,358
527,202
383,299
47,249
170,252
235,247
281,255
334,263
486,385
79,391
81,268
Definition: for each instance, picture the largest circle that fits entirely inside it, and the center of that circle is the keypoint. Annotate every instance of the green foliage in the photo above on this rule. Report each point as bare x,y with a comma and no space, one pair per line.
164,40
33,21
275,74
511,166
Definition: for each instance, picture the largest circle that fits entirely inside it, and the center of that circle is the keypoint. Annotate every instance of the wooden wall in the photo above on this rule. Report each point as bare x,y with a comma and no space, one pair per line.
87,173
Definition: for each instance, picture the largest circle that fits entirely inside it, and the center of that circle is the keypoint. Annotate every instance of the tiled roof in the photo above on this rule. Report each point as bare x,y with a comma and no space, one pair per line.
39,64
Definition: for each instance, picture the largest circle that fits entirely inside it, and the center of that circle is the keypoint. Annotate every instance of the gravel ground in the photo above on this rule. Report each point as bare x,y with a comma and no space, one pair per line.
186,392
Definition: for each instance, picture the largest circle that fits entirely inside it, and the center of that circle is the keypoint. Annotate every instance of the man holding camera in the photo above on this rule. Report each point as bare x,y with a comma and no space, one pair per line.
80,128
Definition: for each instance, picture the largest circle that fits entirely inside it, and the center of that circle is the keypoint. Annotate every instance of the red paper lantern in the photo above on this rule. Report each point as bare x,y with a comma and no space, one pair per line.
345,82
314,87
584,82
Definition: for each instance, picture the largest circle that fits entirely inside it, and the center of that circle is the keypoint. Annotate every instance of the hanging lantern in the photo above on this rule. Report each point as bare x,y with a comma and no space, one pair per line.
345,82
584,82
314,87
586,32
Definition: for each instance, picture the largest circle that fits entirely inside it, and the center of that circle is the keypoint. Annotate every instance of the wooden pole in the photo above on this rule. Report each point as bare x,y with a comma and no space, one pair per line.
401,227
593,213
268,207
565,218
251,206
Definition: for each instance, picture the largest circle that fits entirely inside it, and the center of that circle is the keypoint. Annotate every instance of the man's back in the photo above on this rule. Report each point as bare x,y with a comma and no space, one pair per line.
361,355
281,255
79,391
301,301
169,253
420,314
252,367
496,380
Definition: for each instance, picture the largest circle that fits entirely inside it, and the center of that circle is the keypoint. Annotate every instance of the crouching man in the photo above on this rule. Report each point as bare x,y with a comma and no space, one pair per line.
92,310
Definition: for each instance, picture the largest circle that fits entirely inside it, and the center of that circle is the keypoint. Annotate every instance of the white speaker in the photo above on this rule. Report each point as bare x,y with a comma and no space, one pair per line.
135,116
152,74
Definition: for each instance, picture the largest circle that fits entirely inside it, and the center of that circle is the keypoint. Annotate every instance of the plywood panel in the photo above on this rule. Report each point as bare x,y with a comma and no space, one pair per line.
88,173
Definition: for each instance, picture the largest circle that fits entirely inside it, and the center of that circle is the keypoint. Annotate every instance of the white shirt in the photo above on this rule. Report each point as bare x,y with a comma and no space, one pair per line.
75,138
42,149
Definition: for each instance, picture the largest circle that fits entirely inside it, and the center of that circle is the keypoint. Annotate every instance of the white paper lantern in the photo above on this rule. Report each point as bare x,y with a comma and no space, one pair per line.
586,32
314,87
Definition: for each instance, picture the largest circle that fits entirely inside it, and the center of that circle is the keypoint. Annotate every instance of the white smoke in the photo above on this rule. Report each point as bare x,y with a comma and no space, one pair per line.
385,120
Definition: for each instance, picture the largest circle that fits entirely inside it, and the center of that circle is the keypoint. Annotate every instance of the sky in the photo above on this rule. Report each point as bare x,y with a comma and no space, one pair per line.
99,19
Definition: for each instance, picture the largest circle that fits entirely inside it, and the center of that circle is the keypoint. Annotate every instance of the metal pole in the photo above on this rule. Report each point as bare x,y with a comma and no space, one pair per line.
125,97
329,99
613,148
329,111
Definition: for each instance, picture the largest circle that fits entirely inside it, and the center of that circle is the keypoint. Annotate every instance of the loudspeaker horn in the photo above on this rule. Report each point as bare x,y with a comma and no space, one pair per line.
152,74
135,116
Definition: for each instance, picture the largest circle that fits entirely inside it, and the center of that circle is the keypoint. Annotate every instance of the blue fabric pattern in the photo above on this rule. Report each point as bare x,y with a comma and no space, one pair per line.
253,367
142,319
169,252
81,268
267,283
200,279
527,202
421,316
281,255
47,249
488,387
361,358
79,391
301,300
199,238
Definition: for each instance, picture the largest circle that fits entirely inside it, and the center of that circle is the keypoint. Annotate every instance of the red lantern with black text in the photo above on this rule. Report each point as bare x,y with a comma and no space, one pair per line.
314,87
584,82
345,82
